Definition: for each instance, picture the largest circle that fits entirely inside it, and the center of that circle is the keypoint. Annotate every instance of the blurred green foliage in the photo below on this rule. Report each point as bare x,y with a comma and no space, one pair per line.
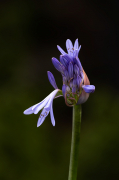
28,152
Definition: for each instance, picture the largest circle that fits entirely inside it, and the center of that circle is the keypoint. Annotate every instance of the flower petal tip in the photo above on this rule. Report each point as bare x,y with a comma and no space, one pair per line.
28,111
89,88
53,58
61,50
37,125
53,124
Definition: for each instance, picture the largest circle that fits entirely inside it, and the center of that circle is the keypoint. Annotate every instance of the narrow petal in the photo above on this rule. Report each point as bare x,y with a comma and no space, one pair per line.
70,70
76,69
68,57
48,105
89,88
61,50
79,48
75,53
64,61
78,63
69,44
52,115
78,81
46,99
52,79
31,109
40,106
66,75
58,65
76,45
36,108
42,117
69,47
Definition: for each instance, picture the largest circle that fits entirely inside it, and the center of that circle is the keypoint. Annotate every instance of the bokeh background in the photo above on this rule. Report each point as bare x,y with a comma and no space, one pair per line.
29,33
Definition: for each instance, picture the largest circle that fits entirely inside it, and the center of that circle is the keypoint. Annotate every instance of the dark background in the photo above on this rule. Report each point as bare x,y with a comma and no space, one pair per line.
29,33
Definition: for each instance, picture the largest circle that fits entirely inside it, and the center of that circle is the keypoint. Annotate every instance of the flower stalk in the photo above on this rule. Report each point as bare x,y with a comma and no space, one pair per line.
76,129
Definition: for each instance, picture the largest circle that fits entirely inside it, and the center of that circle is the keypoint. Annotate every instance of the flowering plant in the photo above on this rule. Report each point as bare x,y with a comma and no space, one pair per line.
76,86
75,89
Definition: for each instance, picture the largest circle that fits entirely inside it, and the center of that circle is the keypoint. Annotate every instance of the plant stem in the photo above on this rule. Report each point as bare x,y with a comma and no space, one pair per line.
76,128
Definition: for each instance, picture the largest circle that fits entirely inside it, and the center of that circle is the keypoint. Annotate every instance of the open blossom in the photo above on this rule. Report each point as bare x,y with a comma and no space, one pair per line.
46,104
76,85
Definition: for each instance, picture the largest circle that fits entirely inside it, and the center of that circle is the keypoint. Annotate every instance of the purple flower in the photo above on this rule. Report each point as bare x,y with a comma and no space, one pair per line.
76,85
46,105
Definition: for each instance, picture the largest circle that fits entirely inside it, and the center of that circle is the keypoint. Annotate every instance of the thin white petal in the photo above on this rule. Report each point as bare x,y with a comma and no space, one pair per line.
37,107
30,110
42,117
61,50
52,115
40,105
76,45
33,107
47,107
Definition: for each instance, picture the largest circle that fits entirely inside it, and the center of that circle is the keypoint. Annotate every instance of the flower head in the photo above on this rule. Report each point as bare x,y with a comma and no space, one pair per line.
76,85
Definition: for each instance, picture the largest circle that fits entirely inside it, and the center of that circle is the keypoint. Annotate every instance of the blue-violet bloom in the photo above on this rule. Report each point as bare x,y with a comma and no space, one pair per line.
76,85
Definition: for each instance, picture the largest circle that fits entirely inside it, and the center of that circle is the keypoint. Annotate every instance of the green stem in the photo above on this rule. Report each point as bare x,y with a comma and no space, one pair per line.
75,142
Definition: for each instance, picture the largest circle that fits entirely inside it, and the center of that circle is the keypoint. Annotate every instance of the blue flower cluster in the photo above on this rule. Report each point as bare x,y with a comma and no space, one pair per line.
76,86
